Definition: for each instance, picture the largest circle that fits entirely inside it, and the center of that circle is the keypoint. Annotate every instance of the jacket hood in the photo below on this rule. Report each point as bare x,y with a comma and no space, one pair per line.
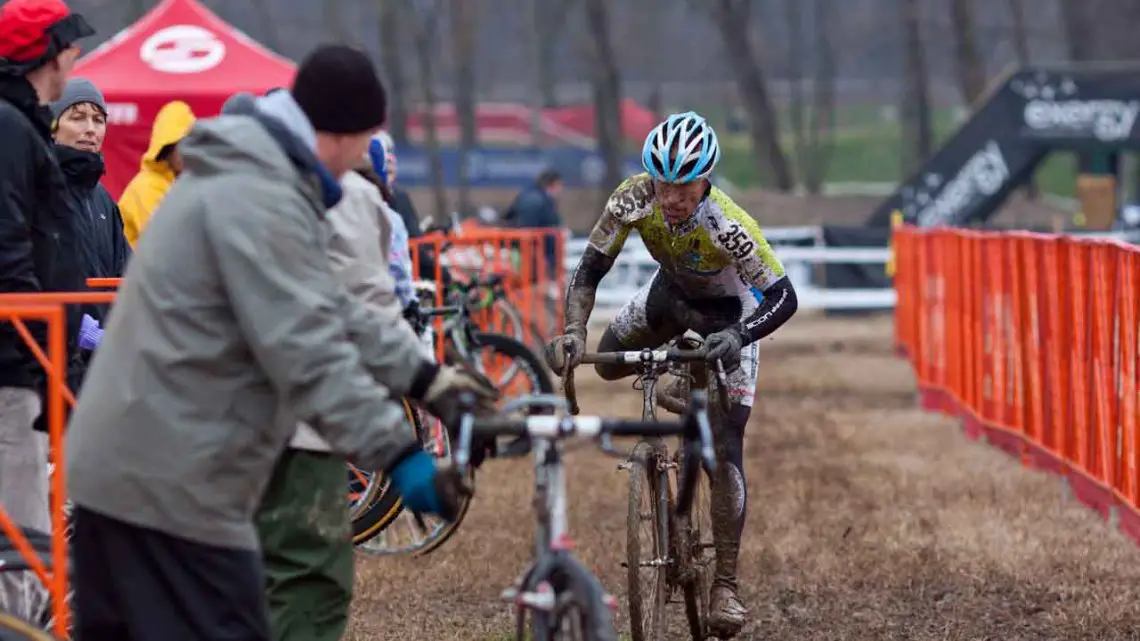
171,124
255,141
82,168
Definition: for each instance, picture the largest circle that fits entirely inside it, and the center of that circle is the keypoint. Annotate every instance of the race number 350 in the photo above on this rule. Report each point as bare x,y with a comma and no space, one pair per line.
736,241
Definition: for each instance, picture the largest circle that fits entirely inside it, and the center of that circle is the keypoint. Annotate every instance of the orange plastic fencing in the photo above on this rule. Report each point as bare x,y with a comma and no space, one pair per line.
17,310
533,286
1032,340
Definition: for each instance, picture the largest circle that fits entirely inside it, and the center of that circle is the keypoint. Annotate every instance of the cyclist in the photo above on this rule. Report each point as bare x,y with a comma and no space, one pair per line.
717,276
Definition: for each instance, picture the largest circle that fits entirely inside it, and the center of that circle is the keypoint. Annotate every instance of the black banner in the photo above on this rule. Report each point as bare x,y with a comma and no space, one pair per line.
1034,112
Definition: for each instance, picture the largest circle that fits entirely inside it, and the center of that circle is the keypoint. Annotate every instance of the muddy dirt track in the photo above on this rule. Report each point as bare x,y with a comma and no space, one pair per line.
868,519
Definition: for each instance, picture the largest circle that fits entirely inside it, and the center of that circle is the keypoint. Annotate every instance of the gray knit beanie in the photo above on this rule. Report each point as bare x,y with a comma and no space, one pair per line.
77,91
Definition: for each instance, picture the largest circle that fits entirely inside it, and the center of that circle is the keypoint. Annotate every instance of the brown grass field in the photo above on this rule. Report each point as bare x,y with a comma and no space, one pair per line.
868,519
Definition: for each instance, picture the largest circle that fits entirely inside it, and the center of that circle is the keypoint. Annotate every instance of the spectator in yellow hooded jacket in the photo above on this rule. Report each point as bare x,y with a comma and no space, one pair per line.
161,164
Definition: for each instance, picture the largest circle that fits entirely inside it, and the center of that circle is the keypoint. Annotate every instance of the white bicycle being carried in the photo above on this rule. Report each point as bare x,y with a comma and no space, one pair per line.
558,598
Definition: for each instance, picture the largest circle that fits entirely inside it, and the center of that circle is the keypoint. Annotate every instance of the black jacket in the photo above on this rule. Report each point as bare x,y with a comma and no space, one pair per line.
37,239
103,249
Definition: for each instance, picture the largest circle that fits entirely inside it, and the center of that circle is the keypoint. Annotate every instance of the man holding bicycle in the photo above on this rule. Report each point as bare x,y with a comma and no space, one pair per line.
718,276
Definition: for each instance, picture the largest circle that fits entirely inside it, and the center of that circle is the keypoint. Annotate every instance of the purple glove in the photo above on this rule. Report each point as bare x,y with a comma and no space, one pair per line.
89,333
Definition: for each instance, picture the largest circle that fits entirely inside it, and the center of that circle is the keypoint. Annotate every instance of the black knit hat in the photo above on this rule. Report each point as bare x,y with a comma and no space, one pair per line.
338,89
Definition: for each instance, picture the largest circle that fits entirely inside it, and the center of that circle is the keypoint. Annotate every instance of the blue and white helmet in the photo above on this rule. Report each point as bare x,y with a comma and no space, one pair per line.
681,149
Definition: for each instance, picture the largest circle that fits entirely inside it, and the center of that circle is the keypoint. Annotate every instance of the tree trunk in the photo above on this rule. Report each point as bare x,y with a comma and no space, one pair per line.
268,20
821,131
136,9
549,22
426,42
797,107
531,28
918,136
607,91
1020,39
732,19
968,64
393,18
1078,30
335,28
1020,33
464,31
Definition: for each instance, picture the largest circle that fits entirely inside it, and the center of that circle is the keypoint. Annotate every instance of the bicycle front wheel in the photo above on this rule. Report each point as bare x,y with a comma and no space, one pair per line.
512,366
381,507
581,611
646,548
13,628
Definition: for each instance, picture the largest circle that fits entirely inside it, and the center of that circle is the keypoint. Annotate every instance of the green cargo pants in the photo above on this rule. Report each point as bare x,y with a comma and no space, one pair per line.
306,541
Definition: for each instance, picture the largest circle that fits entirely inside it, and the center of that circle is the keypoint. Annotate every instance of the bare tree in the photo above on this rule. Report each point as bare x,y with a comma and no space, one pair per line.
464,31
607,90
393,17
1020,39
821,130
733,20
797,103
550,19
1079,34
1020,33
425,37
268,20
968,64
334,20
530,36
135,9
918,135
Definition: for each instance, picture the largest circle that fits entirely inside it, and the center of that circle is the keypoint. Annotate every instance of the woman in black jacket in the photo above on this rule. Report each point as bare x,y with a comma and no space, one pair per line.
79,129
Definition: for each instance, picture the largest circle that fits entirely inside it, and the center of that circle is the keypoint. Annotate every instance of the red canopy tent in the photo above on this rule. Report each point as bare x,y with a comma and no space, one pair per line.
178,51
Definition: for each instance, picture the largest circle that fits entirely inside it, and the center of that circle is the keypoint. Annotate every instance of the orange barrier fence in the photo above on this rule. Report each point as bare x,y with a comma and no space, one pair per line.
1032,340
17,310
533,286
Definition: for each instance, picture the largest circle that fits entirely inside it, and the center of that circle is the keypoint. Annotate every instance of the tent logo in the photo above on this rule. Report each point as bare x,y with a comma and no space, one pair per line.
182,48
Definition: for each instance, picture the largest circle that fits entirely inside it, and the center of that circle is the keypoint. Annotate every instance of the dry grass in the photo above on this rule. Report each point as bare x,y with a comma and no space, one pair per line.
868,520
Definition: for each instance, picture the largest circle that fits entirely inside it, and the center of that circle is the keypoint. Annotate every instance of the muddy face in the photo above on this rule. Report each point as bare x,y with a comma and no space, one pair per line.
678,202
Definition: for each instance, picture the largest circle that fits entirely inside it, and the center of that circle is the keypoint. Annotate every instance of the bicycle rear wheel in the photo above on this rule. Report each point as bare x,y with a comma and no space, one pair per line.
696,557
646,548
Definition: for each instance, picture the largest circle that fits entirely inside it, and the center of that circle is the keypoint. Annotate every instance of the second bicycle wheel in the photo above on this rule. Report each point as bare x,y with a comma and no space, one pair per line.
512,366
380,507
646,548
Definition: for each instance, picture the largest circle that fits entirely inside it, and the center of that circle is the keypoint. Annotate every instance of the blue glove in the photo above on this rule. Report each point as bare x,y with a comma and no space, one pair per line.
414,479
89,333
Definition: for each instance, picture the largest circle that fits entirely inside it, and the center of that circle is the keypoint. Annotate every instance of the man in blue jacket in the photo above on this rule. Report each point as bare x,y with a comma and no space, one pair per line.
535,208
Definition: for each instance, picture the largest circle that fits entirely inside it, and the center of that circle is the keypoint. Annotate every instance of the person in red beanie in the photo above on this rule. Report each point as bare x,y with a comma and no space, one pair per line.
37,51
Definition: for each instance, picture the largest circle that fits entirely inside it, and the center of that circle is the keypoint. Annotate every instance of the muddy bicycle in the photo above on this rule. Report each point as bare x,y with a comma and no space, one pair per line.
675,557
557,598
380,527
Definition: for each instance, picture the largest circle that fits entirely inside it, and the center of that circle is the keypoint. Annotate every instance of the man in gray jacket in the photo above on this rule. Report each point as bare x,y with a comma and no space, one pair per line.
230,328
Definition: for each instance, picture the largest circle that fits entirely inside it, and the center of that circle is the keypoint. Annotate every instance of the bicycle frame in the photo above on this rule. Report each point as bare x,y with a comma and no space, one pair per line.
539,589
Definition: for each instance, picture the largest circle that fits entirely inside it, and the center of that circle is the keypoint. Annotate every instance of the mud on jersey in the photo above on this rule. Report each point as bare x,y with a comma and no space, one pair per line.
719,251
